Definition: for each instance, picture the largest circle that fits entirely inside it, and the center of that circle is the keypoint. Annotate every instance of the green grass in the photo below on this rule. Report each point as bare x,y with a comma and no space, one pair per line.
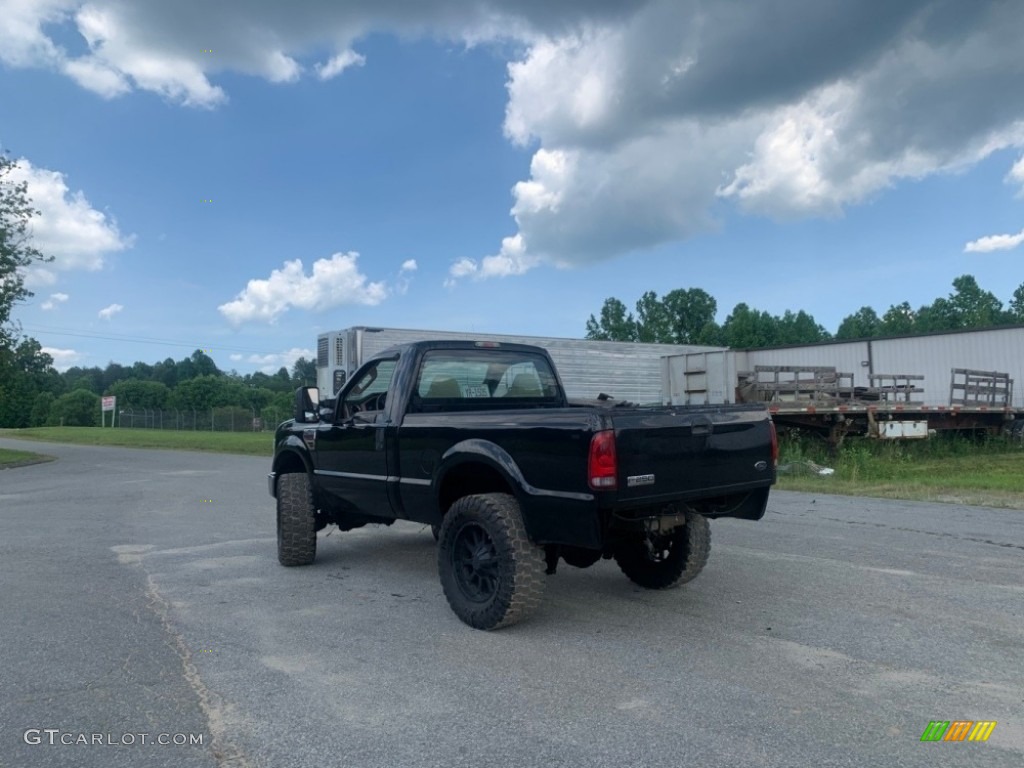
960,470
247,443
10,459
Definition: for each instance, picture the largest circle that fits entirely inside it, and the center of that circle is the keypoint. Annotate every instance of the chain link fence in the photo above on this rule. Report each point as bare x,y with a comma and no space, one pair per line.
228,419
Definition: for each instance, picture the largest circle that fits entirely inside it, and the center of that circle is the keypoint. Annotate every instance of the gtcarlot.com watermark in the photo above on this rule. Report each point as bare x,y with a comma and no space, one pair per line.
36,736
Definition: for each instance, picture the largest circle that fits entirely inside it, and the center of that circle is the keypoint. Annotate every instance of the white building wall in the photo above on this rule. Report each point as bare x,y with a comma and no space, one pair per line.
934,356
846,357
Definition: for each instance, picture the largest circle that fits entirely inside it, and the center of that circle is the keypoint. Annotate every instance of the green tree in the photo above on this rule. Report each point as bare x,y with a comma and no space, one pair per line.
259,398
80,408
25,371
746,328
304,373
862,324
799,328
16,250
113,373
898,320
973,307
203,365
199,393
166,373
83,378
652,321
940,315
616,324
1017,305
40,414
133,393
690,316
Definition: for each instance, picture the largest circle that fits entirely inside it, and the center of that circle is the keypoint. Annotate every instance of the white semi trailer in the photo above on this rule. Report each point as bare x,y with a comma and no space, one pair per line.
624,370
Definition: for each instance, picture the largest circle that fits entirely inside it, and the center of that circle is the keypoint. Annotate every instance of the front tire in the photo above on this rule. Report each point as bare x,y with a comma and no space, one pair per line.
668,560
491,573
296,520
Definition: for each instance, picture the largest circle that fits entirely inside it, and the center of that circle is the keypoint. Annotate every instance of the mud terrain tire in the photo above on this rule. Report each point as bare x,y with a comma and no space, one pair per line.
677,557
296,520
491,573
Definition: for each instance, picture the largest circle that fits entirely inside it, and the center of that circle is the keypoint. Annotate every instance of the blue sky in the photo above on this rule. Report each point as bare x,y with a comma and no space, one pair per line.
502,171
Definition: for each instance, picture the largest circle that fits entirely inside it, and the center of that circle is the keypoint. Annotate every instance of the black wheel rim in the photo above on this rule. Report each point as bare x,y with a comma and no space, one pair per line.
475,563
659,549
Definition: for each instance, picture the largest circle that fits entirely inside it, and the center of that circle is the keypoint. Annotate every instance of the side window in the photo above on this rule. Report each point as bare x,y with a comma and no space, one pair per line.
369,392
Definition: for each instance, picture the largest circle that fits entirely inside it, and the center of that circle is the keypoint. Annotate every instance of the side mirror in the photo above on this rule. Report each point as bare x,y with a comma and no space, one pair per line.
307,404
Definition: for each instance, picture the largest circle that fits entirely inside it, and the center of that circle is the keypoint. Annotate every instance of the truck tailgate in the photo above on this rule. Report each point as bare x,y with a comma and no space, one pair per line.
692,451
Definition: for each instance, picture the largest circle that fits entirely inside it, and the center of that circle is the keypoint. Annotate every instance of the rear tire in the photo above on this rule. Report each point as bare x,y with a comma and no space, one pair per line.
491,573
673,559
296,520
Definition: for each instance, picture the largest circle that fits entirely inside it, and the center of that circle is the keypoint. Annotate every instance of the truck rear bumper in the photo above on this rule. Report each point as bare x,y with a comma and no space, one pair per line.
272,484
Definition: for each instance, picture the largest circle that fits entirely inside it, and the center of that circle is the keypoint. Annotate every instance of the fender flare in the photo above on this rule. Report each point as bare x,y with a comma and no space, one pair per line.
292,446
481,451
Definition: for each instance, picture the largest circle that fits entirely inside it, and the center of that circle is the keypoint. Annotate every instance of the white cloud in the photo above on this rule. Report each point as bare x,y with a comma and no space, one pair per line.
338,64
63,358
54,300
333,282
118,57
68,228
38,277
512,259
994,243
405,276
645,124
272,362
645,116
94,75
1016,175
235,357
108,312
23,42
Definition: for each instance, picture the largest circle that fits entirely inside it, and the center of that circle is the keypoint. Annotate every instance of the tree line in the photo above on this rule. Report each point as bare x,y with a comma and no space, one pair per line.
687,316
33,394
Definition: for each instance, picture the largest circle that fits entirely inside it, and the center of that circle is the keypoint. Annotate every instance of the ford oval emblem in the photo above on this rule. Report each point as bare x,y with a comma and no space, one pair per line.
761,466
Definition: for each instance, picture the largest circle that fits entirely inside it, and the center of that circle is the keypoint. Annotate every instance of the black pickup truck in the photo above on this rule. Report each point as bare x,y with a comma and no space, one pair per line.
478,440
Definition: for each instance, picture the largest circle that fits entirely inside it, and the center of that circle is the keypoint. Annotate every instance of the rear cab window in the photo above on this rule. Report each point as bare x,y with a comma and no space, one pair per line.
469,379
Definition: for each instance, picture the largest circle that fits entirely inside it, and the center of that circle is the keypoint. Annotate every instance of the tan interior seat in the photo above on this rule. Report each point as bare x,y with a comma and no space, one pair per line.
524,385
444,388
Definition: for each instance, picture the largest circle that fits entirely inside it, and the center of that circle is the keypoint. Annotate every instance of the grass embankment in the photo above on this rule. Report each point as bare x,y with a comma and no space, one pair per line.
247,443
957,470
10,459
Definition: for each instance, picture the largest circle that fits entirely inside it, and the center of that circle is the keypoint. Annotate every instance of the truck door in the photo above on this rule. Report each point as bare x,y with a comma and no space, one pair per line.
352,453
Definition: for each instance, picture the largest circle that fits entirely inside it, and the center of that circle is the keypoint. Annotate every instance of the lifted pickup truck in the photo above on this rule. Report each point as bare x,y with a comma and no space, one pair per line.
478,440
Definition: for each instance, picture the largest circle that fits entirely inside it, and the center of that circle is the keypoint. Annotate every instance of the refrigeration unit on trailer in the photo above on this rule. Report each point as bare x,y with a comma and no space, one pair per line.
624,370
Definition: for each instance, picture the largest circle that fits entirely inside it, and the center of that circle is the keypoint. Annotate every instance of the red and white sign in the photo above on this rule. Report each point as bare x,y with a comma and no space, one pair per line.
108,403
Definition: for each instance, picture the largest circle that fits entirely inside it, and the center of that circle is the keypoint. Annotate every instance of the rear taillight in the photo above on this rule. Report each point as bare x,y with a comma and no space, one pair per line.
775,444
602,468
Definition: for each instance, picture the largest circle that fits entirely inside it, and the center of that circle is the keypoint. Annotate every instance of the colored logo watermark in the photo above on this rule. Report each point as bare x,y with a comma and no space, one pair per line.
958,730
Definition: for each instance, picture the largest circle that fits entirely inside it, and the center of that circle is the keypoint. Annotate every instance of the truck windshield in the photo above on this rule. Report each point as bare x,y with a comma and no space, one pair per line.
450,378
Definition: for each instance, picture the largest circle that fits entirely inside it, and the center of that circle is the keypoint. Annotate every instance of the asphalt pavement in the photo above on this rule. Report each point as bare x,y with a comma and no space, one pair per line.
141,602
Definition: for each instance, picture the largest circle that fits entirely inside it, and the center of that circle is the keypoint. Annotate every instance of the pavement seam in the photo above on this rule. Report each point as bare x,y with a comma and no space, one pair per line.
225,752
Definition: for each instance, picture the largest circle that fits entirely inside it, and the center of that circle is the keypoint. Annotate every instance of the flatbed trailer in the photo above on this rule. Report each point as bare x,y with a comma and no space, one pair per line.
824,401
891,422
